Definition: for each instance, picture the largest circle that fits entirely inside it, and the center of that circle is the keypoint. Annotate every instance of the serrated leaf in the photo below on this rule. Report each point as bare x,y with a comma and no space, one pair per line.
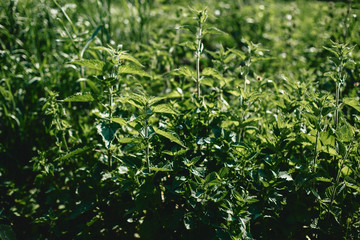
352,102
350,185
73,153
129,140
213,30
238,53
192,161
332,51
191,28
136,100
213,73
101,48
169,136
184,71
154,100
163,108
94,64
156,169
132,69
120,121
345,133
331,75
188,44
326,138
131,59
107,132
198,171
80,97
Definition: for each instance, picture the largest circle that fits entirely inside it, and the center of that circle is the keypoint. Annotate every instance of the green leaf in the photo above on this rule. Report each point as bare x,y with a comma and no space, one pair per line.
73,153
137,100
79,97
101,48
129,140
163,108
346,171
132,69
90,40
332,51
285,175
156,169
352,186
123,169
107,132
213,30
345,133
191,28
192,161
331,75
120,121
188,221
184,71
6,232
212,179
198,171
188,44
169,136
213,73
130,58
238,53
94,64
154,100
327,138
352,102
323,179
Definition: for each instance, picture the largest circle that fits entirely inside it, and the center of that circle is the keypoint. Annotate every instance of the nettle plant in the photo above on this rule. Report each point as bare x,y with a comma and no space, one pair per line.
172,161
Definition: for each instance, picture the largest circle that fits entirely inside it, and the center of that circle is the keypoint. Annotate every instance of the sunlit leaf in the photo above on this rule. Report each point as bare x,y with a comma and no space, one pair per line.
94,64
132,69
80,97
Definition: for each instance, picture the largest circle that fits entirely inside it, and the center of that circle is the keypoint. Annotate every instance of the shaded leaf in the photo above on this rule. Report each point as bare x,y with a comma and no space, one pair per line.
107,132
73,153
6,232
169,136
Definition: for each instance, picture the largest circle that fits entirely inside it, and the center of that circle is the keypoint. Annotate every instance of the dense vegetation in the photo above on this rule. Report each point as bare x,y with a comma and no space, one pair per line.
158,120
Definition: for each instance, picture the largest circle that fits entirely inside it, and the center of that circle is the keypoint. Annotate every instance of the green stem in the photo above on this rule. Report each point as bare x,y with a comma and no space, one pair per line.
147,145
316,150
338,175
110,116
198,53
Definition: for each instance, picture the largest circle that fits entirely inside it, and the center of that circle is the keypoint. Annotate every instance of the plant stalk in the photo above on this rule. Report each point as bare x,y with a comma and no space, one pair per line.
110,116
198,53
147,145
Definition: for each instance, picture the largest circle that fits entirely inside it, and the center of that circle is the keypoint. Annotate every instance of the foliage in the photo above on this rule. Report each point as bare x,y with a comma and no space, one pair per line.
151,119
